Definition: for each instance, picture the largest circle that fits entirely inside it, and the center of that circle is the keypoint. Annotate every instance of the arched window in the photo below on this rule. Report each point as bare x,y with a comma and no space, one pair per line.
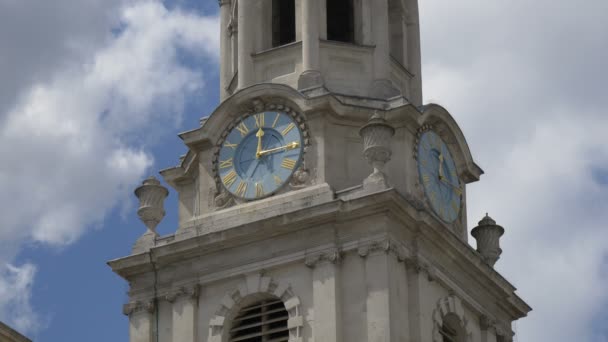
264,321
451,330
340,21
283,22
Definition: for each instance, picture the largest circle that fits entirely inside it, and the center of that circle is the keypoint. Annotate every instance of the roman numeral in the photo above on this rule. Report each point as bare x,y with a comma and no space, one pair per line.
454,205
259,190
229,178
225,163
242,127
288,128
288,163
241,189
259,120
276,119
426,179
277,180
228,144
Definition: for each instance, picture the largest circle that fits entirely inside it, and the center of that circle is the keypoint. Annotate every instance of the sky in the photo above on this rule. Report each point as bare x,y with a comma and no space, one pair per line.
94,92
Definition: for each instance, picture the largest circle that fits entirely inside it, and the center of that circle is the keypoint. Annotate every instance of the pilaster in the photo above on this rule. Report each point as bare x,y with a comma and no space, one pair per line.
141,320
247,15
326,294
311,76
378,301
225,46
185,309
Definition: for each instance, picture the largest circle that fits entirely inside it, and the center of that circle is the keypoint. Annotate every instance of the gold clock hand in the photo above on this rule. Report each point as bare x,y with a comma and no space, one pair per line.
259,134
289,146
457,188
440,166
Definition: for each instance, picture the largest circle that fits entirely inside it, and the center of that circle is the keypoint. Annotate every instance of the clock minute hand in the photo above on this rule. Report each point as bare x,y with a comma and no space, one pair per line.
457,188
289,146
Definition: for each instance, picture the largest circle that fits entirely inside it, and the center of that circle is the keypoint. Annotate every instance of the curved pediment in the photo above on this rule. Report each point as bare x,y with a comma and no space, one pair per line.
445,125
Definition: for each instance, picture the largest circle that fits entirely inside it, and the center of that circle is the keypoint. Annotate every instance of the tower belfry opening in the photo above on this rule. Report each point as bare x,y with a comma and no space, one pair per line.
340,21
283,22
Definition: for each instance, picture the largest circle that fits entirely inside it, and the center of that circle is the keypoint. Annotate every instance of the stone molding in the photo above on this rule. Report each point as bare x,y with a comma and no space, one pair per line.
191,292
414,263
257,284
139,306
450,305
331,255
387,246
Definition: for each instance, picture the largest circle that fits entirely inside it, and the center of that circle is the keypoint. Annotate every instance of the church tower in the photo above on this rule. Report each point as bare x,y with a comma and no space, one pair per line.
321,200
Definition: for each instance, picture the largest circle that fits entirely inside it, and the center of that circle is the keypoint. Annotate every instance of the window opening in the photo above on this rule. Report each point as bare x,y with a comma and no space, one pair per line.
448,334
264,321
283,22
340,21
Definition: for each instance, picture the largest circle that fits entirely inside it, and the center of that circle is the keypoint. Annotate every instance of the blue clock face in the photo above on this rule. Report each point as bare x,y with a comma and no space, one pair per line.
260,154
439,177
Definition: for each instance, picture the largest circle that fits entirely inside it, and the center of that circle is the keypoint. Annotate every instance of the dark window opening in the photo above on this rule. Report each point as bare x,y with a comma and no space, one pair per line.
260,322
340,21
283,22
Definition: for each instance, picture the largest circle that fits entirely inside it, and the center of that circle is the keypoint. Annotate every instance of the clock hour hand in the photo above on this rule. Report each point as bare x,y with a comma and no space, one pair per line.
259,134
441,167
289,146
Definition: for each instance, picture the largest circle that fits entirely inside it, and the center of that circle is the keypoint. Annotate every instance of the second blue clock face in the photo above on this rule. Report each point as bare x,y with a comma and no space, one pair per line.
439,177
260,154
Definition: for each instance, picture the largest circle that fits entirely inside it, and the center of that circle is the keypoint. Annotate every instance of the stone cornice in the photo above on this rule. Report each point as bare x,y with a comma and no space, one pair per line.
335,211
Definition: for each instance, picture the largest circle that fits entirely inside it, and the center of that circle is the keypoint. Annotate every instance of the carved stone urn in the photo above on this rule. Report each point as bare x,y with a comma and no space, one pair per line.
151,209
377,134
488,234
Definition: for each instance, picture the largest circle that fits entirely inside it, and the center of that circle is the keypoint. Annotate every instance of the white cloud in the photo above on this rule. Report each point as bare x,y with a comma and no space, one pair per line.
522,80
73,143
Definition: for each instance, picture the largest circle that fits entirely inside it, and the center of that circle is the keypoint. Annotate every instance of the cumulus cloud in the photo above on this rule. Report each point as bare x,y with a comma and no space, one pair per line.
524,79
71,141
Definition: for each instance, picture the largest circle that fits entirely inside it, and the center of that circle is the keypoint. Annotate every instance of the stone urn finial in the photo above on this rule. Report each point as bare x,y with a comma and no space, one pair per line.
151,209
488,234
377,134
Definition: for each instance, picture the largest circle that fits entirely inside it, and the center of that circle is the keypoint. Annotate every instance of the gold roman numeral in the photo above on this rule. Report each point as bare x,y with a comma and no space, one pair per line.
229,178
228,144
242,127
288,128
276,119
454,205
426,179
277,180
225,163
288,163
259,190
259,120
241,189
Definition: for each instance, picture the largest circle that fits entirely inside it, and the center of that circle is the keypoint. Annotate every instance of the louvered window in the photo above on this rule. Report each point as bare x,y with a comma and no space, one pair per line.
448,334
265,321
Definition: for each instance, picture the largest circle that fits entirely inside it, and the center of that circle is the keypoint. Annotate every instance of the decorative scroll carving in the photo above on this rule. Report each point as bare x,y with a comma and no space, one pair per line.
332,256
138,306
184,291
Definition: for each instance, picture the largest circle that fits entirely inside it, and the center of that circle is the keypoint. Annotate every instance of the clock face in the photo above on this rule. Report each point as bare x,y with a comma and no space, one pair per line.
439,177
260,154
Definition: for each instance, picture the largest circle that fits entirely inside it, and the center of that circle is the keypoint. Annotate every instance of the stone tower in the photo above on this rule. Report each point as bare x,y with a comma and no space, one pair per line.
321,201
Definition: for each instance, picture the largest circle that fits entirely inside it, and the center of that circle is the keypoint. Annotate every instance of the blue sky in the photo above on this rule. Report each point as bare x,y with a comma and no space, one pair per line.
524,80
